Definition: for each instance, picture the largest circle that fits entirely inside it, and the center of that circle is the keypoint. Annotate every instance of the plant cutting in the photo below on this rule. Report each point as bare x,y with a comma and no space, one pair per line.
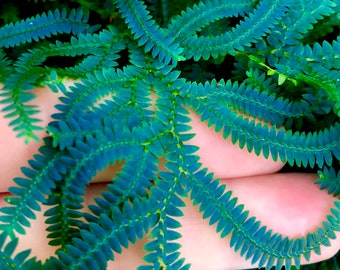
148,82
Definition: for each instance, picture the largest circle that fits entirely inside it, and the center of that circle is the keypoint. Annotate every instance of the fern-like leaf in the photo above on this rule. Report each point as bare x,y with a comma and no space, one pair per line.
45,25
5,66
46,169
301,148
330,180
109,236
11,261
163,249
299,22
130,108
195,18
148,33
255,242
258,24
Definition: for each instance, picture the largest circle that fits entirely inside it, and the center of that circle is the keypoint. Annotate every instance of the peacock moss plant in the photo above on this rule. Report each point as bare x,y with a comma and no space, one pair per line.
229,61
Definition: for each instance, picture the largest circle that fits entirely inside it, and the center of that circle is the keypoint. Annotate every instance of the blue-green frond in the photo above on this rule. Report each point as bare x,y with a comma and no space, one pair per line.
163,11
148,33
163,249
316,66
329,179
306,149
28,69
255,242
45,25
130,109
258,23
99,50
106,43
38,182
198,16
263,105
14,95
260,80
9,259
5,66
62,220
98,244
98,85
298,22
127,184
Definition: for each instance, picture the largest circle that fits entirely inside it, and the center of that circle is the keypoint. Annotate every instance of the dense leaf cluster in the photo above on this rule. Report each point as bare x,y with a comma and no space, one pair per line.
272,60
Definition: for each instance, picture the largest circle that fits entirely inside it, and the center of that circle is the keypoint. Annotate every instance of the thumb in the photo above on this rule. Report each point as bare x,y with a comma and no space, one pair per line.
289,204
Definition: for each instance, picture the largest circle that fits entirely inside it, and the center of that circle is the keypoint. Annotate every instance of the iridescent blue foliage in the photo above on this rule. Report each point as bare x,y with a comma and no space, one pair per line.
134,111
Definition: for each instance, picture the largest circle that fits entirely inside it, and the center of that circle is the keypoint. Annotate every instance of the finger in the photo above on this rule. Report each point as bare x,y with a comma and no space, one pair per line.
218,155
224,158
35,237
289,204
14,153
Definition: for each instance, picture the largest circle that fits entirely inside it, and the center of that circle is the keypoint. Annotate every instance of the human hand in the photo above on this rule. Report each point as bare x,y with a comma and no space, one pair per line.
290,204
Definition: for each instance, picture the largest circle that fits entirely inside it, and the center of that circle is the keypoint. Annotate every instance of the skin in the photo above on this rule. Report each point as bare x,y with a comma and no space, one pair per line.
290,204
